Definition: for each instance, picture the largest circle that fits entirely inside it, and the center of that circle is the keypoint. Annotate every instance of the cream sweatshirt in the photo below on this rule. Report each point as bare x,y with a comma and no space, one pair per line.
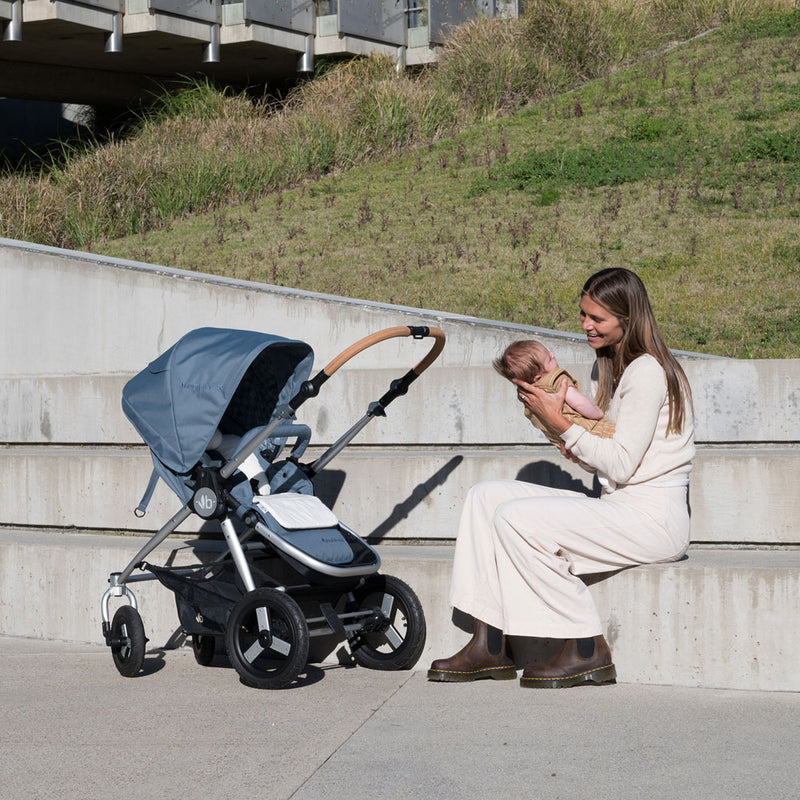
640,451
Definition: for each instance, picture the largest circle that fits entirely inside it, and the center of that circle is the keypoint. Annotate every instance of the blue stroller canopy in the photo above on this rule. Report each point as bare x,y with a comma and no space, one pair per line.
212,378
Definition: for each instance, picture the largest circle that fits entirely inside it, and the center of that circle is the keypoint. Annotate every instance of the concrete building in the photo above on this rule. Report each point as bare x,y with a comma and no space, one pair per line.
118,51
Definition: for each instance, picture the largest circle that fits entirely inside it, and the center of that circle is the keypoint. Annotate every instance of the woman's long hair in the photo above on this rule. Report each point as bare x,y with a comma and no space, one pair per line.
622,293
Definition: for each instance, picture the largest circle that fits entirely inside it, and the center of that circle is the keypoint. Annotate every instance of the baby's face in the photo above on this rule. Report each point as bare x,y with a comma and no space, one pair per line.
548,362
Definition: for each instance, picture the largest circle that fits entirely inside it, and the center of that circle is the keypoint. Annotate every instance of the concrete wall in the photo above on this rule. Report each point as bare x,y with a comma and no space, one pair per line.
719,619
77,326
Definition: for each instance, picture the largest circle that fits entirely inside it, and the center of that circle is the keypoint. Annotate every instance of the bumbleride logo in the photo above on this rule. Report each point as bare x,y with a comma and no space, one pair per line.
205,502
202,387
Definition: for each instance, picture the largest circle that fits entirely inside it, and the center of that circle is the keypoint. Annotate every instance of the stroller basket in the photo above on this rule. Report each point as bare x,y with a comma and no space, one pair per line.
217,411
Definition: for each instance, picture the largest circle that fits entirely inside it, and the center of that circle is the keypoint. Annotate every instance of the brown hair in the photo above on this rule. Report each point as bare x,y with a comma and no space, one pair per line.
522,360
623,294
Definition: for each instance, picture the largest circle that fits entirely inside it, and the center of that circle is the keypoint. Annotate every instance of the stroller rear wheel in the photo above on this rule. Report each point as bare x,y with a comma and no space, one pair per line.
203,647
127,641
267,639
394,636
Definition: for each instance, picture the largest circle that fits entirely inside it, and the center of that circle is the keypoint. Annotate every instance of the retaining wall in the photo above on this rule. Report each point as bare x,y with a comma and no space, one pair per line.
77,326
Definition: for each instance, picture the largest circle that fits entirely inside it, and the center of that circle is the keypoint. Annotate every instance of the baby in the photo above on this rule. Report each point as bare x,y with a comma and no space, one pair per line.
533,363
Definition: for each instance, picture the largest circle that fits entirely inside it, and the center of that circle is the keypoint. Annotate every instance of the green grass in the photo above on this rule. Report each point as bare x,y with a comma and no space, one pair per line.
682,166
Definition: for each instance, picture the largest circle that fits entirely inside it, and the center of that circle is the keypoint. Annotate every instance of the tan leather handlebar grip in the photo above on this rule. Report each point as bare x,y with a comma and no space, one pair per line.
380,336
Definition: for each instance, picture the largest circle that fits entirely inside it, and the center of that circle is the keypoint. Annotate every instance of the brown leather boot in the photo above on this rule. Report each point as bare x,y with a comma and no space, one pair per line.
578,661
476,659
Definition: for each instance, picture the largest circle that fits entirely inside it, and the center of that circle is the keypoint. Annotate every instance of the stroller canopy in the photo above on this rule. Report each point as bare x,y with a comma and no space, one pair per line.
212,378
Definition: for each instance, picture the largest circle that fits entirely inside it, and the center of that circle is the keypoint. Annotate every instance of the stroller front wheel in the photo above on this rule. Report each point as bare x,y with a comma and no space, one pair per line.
127,641
267,639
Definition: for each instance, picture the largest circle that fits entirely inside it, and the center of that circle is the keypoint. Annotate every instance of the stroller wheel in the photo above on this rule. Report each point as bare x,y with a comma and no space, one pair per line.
203,647
267,639
393,638
127,641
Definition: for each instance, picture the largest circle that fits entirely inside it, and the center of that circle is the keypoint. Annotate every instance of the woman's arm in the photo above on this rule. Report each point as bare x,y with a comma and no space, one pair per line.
638,400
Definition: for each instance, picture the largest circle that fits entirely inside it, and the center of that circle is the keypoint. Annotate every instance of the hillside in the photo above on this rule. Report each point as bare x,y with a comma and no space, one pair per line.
684,167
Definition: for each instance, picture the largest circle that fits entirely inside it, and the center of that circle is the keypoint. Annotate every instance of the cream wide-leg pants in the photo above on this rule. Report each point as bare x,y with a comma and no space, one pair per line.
521,548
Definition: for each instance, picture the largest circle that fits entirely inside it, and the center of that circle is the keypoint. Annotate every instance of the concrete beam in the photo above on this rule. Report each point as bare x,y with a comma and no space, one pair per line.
735,402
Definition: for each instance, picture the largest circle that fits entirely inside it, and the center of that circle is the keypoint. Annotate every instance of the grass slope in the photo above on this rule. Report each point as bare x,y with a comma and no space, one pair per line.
684,168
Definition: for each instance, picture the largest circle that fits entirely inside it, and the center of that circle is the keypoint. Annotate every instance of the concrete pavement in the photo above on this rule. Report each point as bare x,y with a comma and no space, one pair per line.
72,727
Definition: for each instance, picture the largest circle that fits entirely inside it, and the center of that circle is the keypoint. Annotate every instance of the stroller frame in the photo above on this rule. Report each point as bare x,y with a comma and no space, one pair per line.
266,620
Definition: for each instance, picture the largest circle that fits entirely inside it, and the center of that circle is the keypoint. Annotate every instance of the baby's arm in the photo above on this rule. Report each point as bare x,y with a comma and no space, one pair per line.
582,404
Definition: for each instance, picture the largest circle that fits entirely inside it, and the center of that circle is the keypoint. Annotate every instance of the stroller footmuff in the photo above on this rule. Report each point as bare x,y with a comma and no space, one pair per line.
217,411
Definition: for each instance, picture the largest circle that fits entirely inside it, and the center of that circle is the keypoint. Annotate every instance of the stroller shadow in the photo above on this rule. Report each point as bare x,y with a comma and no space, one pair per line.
418,495
155,661
328,485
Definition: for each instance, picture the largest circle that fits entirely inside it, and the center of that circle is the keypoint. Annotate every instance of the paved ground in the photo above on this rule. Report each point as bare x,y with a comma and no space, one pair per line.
72,727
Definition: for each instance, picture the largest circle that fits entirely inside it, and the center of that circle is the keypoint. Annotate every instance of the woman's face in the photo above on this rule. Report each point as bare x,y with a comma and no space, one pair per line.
601,327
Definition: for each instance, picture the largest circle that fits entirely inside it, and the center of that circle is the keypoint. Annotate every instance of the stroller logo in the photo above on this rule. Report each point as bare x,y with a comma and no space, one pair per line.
205,502
202,387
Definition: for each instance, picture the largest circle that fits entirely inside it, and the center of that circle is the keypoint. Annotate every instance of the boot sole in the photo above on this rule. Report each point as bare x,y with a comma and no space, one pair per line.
606,674
495,673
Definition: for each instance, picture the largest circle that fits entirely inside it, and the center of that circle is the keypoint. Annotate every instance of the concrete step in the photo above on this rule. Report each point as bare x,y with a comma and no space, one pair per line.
722,618
400,493
735,401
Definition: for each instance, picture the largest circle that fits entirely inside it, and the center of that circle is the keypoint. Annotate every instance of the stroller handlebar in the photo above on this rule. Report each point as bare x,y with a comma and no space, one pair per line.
418,332
311,387
397,388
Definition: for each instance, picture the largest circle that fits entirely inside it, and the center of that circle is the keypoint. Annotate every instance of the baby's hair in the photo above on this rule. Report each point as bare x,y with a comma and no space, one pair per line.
522,360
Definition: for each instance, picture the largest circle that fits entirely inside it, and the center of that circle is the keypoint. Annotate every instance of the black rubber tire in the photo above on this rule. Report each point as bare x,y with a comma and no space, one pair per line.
276,662
400,642
129,641
203,647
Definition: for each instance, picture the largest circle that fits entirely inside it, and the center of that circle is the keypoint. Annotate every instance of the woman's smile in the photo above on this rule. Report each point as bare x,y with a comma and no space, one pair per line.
601,327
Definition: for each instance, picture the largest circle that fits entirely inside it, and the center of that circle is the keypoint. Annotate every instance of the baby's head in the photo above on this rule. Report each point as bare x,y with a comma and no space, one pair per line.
525,360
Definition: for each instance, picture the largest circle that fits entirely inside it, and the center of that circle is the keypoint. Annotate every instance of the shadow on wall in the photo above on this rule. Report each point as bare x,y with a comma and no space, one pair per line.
328,485
417,496
546,473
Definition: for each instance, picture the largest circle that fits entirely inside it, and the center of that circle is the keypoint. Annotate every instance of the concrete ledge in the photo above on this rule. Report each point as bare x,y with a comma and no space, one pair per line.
721,618
718,619
395,492
448,405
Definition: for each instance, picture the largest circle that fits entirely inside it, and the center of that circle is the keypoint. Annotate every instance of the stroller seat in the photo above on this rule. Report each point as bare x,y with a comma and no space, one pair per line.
296,511
306,523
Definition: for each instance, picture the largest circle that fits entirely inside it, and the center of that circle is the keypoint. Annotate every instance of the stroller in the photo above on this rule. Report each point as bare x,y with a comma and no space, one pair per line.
217,411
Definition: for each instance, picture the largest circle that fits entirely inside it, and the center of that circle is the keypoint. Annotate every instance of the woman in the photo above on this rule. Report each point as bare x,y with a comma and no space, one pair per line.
521,547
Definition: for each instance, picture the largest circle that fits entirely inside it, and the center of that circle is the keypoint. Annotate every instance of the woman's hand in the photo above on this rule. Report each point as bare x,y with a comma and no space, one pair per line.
544,405
568,454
